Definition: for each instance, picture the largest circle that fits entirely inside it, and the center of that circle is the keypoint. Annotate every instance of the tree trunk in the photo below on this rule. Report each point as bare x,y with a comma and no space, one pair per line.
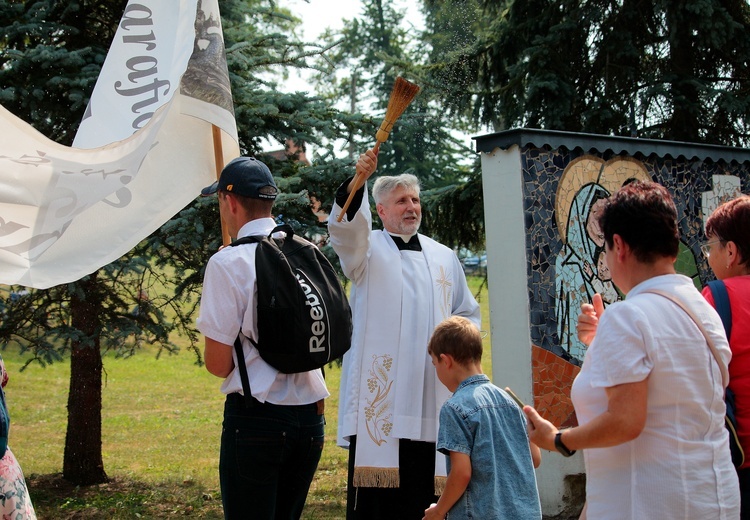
82,461
686,109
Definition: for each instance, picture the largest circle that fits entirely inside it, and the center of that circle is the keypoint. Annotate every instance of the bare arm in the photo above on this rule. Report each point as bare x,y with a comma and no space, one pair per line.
218,357
623,421
455,486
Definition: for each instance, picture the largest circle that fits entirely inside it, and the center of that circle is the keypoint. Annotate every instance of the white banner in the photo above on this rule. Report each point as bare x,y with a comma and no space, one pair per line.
65,212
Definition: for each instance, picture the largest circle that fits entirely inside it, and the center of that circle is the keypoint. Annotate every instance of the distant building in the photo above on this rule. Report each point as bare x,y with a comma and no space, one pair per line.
298,152
291,150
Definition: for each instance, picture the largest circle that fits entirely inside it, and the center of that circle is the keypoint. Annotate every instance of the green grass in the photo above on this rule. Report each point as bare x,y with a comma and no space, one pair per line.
161,427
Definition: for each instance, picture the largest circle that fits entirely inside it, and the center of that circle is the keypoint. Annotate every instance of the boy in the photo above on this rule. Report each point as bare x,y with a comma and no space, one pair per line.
483,434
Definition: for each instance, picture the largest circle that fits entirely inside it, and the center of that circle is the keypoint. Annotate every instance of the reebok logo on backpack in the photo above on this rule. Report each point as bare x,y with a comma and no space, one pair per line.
318,329
304,318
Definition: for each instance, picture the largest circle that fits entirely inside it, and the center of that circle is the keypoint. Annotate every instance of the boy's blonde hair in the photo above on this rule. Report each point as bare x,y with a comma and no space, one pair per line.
459,338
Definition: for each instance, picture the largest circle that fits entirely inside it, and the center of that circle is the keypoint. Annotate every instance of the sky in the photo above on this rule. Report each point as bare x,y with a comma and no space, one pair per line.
317,15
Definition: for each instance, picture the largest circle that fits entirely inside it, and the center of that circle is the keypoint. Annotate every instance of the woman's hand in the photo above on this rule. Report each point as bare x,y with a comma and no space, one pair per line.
589,318
541,431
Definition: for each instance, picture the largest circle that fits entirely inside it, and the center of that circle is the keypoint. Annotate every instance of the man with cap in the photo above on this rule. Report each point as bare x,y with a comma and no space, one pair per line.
270,444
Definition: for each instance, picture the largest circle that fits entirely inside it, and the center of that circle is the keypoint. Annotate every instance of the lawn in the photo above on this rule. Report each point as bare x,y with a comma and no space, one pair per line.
161,428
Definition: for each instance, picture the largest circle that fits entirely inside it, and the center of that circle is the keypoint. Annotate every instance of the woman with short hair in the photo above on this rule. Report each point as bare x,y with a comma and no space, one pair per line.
727,250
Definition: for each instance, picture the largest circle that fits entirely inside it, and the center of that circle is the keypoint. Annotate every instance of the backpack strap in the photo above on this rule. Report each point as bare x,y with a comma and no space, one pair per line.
721,303
252,239
237,342
249,401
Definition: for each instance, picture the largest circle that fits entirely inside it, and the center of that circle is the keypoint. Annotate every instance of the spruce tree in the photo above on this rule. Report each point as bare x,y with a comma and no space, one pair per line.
51,52
673,70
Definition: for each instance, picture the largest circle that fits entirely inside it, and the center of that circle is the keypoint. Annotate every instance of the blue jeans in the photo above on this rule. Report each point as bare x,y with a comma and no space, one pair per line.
269,454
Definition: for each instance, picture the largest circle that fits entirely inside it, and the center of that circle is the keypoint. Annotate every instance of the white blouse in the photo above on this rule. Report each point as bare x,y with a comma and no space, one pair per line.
679,466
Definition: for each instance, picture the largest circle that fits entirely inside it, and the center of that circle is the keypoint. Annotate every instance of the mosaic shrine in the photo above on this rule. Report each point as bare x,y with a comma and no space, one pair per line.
565,262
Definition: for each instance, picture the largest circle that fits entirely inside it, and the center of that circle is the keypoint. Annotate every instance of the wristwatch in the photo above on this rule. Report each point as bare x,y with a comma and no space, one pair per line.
562,448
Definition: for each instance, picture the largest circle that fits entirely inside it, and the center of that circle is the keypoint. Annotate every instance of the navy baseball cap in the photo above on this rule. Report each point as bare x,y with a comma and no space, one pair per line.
247,177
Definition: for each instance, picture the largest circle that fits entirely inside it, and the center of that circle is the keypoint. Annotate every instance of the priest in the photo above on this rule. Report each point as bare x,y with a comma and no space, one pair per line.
403,285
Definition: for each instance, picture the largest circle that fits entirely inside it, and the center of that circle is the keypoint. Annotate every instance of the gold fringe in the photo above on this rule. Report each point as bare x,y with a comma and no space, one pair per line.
440,484
369,476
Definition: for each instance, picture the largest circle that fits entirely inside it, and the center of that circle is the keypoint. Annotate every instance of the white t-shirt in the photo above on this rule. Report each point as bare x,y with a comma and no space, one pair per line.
679,466
228,304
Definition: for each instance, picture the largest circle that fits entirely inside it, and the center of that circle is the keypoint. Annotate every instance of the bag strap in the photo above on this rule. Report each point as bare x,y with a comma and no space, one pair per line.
711,346
249,402
237,342
721,302
247,240
251,239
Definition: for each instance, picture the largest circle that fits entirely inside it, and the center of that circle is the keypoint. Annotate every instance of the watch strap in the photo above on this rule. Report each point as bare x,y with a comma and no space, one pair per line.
562,448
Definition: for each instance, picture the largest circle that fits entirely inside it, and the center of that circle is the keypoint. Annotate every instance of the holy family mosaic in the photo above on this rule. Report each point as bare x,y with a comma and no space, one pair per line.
563,188
563,191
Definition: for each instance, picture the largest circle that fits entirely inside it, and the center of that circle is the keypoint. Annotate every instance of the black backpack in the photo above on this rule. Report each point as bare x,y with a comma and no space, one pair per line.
304,318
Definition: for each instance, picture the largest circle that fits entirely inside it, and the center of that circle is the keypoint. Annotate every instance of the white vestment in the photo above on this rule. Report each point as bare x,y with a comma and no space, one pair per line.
389,389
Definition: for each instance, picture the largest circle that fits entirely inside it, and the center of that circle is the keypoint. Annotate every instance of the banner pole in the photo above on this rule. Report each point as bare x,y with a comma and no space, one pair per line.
219,162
